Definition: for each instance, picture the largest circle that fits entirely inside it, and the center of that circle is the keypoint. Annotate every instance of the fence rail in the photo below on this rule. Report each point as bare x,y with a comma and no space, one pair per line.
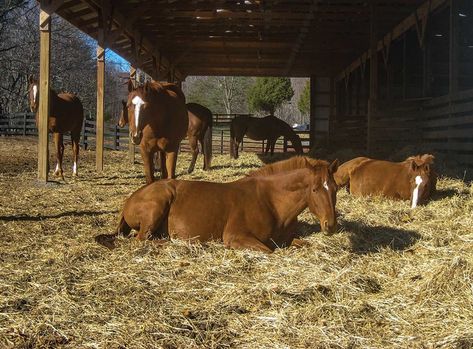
116,138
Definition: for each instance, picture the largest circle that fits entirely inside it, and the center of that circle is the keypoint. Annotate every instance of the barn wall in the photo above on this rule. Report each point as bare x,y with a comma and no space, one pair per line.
425,91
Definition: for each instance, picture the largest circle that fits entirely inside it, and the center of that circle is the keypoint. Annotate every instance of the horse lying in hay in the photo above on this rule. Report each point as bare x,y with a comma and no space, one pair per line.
257,212
269,128
66,115
158,121
413,179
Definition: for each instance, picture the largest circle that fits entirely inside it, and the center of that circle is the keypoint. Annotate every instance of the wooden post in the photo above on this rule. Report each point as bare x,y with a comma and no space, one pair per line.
24,124
221,143
131,146
84,135
44,67
312,137
372,104
99,138
404,66
454,51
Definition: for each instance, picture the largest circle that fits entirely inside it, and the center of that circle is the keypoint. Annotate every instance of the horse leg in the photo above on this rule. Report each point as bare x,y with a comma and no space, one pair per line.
147,157
195,152
242,241
162,159
273,143
268,143
152,223
58,141
171,160
75,151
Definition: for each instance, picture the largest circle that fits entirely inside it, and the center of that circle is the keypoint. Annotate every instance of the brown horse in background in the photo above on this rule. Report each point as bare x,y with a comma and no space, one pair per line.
257,212
200,130
413,179
158,121
66,115
269,128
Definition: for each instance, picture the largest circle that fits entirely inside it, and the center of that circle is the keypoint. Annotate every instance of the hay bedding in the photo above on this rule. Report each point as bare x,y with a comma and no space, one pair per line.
390,278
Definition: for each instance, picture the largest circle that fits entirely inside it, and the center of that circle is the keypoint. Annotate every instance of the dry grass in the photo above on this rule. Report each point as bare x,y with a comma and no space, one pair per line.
390,278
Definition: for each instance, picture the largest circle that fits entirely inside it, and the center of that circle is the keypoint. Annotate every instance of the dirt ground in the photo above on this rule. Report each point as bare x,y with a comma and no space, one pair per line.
392,277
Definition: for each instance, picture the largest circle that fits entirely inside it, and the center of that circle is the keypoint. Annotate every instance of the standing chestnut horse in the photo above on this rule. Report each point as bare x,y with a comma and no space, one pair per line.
269,128
157,117
66,115
257,212
413,179
200,129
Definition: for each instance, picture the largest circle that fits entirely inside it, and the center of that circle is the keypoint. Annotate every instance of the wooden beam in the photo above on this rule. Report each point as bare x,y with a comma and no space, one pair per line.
312,135
399,30
44,88
99,138
372,103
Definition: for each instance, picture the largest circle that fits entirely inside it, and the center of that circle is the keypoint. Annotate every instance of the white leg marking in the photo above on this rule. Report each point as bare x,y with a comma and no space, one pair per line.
415,193
138,102
57,168
326,185
35,92
74,168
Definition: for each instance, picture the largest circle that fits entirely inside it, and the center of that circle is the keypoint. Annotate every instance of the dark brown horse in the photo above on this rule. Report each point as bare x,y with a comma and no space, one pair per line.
256,212
269,128
413,179
200,130
158,121
66,115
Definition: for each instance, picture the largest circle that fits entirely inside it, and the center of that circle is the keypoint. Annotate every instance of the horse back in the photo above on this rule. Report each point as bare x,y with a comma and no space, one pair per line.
372,177
342,176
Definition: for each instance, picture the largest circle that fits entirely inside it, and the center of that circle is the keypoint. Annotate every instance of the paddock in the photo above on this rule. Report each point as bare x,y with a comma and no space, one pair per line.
392,276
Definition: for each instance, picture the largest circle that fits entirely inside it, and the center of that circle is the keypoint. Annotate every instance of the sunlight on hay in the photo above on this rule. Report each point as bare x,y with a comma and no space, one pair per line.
392,277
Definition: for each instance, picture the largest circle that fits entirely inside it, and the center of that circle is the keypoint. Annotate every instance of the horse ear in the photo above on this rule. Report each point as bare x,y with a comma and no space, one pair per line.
131,85
123,103
31,79
333,166
413,165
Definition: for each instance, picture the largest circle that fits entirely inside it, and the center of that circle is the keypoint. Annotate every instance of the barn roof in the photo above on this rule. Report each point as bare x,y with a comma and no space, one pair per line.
239,37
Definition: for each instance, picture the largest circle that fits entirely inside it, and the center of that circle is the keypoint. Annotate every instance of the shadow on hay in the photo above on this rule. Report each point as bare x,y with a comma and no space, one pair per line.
368,239
22,217
268,159
440,194
241,166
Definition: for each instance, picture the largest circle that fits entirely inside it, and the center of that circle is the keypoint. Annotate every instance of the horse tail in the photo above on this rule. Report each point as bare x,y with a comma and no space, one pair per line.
208,144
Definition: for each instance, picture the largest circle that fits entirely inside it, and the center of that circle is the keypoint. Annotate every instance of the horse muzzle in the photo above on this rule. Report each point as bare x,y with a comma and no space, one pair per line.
329,228
136,139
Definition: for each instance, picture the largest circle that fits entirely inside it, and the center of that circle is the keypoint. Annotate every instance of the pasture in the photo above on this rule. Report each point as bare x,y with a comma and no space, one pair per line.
391,277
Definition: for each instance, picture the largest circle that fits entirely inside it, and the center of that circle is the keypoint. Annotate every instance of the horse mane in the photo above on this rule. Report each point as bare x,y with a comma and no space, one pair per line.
160,88
294,163
421,159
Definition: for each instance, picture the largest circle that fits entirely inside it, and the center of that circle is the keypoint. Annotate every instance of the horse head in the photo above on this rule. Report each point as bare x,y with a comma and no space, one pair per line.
137,110
323,196
123,120
422,178
33,94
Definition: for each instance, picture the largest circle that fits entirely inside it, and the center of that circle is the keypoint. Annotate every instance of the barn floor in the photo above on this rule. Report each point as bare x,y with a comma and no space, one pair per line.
390,278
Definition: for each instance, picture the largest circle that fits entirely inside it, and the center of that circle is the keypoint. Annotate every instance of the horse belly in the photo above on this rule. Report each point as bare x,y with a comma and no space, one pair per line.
256,133
199,214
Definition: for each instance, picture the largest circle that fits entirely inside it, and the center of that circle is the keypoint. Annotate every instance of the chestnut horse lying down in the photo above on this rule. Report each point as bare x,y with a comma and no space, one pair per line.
257,212
413,179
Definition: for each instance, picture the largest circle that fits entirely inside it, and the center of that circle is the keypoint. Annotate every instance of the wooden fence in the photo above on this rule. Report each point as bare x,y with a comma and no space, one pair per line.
115,138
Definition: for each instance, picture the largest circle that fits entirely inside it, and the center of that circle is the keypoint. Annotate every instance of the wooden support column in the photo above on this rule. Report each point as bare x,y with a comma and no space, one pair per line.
131,146
99,139
454,48
372,103
44,88
312,136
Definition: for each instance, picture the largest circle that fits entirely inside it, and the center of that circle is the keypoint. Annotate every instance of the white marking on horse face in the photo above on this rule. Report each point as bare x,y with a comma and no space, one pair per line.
137,102
74,168
35,92
415,193
326,185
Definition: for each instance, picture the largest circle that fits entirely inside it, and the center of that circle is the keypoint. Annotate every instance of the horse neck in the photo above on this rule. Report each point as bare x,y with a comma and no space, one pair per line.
288,193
